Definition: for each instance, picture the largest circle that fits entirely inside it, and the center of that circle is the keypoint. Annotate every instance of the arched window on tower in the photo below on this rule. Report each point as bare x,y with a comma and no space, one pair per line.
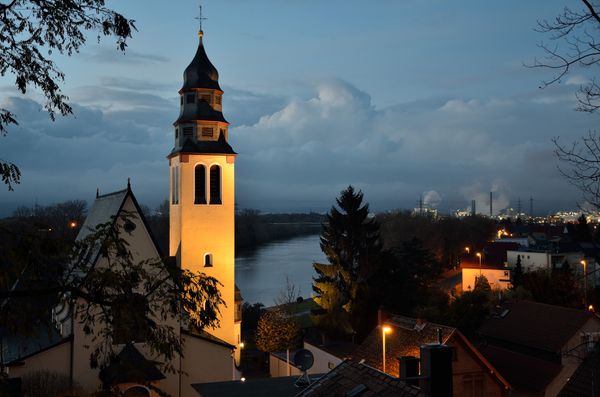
208,260
200,184
215,184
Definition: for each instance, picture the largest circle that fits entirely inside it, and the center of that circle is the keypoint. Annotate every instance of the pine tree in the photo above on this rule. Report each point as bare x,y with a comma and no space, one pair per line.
518,273
350,241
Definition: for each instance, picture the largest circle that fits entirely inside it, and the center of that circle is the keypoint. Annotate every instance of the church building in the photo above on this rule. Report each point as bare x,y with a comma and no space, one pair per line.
201,222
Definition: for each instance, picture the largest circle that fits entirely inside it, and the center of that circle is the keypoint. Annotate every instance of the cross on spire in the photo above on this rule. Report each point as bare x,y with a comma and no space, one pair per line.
200,18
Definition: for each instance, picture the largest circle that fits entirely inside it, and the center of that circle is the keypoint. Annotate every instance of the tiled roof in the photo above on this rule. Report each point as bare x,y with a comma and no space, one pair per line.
534,325
283,386
350,376
405,339
586,379
523,372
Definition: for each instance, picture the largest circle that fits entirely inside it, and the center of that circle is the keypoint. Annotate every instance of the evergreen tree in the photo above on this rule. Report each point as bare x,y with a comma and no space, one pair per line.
350,241
518,273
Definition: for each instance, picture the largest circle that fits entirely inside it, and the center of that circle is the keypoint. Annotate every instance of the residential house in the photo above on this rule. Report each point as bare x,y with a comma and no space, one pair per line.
473,375
538,347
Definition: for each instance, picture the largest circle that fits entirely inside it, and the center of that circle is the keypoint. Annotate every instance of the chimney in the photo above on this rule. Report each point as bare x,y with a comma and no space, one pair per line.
436,370
409,370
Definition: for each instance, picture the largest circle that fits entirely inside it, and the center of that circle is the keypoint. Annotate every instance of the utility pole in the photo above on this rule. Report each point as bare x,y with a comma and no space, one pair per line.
531,206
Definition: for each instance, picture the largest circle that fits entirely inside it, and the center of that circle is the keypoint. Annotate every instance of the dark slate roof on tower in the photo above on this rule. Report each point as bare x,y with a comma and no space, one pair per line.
201,73
220,146
200,111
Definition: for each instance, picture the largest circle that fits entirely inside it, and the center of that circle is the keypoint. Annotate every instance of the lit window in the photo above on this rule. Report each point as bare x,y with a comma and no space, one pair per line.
208,262
215,184
207,132
200,184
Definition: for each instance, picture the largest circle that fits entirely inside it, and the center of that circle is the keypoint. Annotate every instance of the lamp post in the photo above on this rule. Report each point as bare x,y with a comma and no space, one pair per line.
386,329
479,256
584,263
468,250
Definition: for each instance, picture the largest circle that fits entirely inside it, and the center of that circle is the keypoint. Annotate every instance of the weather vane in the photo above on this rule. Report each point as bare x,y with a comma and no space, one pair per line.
200,18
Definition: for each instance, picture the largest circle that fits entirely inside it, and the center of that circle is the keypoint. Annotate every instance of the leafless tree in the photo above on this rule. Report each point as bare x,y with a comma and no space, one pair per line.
578,30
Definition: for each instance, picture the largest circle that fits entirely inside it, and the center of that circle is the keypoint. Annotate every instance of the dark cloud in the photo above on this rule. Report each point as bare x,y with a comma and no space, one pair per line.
297,154
103,54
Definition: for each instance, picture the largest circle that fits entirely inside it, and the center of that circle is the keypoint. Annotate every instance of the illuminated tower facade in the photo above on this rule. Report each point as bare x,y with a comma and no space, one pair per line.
202,188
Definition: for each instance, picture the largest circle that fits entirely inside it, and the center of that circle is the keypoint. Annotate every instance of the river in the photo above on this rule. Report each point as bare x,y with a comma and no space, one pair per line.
261,274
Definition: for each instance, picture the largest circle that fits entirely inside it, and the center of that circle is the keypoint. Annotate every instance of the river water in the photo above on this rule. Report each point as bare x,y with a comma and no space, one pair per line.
261,274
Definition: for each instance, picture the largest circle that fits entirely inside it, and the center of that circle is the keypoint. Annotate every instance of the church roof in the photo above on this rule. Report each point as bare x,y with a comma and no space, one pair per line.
201,111
130,366
220,146
106,208
200,73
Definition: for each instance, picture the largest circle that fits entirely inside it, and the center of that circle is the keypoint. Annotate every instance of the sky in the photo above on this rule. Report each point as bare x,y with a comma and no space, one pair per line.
401,99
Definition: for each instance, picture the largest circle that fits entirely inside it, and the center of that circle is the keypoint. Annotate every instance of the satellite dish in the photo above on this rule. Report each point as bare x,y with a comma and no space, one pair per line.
304,360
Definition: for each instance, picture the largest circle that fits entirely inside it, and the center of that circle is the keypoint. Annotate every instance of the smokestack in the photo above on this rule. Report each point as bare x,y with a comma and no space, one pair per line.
491,211
436,370
473,208
409,370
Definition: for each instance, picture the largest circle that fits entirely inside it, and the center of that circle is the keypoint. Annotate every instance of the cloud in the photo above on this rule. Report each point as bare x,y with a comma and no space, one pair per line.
299,153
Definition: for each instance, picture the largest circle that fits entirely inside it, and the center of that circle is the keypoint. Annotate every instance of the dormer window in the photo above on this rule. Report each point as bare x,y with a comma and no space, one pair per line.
207,132
188,131
189,98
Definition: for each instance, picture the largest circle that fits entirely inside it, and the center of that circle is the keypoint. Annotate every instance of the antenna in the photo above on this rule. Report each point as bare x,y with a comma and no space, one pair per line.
200,18
303,360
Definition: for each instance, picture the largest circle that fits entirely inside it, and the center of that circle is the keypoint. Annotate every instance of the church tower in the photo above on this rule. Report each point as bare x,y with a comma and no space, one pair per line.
202,204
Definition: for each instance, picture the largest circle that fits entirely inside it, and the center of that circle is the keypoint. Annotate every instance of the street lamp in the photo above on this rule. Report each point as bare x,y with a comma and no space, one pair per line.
468,250
386,329
584,263
479,256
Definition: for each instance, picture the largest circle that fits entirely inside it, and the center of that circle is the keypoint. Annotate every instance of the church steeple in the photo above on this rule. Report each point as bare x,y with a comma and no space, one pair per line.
201,127
202,205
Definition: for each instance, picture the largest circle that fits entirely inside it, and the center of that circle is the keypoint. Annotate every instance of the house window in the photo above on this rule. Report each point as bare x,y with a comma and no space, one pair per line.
188,131
472,386
189,98
208,262
215,184
200,184
207,132
218,99
205,98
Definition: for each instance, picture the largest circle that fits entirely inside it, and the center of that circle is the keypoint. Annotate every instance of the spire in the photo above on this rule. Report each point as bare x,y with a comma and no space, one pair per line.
200,19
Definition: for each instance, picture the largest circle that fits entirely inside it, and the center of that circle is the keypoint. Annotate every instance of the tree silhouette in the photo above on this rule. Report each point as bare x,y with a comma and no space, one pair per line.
350,241
30,31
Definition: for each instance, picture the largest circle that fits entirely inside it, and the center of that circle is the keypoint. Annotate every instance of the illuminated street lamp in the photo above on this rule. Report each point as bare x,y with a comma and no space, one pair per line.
468,250
479,256
584,263
385,330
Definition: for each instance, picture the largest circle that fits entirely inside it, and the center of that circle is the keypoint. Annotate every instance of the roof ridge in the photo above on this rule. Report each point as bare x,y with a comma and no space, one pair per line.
111,194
